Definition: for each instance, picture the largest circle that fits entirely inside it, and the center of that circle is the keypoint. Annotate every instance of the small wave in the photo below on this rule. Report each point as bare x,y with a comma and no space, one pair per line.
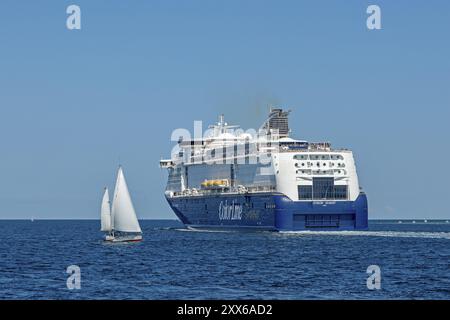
202,230
390,234
164,228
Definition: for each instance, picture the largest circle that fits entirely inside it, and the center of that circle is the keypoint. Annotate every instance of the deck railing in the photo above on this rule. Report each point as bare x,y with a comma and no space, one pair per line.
226,190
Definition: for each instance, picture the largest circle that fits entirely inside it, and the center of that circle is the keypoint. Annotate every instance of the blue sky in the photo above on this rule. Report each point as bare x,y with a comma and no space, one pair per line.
73,104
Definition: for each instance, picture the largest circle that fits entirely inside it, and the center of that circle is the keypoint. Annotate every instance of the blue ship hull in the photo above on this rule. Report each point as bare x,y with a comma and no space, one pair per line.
269,211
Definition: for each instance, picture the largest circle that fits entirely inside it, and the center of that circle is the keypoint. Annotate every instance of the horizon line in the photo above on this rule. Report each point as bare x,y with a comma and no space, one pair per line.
146,219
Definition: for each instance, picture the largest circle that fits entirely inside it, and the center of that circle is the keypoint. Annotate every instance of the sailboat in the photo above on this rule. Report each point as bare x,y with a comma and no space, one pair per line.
119,221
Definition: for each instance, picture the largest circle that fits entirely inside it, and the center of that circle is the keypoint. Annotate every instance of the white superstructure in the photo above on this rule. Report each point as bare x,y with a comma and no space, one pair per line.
261,160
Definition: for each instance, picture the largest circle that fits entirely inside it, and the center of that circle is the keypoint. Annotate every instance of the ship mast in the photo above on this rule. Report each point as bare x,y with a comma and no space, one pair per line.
221,127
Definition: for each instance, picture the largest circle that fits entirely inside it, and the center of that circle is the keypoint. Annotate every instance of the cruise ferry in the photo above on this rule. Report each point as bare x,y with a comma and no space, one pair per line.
265,180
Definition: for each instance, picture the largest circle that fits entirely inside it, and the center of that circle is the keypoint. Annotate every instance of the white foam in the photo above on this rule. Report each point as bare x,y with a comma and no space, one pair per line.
391,234
202,230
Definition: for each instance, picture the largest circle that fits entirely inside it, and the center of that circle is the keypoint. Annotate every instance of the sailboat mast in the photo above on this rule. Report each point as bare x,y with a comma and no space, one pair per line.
114,203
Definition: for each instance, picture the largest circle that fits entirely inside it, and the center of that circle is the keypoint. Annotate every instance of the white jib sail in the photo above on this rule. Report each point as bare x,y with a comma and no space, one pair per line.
105,215
123,215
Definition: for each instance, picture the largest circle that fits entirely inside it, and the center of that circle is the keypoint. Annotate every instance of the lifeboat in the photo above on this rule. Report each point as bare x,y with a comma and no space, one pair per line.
215,183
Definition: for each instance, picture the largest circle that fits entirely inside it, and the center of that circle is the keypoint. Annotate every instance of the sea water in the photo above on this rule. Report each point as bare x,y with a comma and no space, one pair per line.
174,263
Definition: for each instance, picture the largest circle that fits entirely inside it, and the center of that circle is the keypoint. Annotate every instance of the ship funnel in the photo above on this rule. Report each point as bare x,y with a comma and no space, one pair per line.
278,121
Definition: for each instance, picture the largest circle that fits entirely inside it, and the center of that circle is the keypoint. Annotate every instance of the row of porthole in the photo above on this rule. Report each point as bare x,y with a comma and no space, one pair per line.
319,172
318,157
340,165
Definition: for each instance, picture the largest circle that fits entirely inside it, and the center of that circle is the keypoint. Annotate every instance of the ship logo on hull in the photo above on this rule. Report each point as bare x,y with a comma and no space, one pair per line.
231,211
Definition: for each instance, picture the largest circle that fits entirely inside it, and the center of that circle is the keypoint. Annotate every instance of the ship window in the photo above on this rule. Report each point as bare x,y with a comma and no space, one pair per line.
337,157
321,221
340,192
324,188
320,157
304,192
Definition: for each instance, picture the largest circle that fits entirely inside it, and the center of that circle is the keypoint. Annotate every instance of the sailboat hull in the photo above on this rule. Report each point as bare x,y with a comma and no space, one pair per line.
131,238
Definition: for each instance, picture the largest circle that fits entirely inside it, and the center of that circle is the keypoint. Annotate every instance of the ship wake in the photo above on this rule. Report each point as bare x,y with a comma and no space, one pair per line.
388,234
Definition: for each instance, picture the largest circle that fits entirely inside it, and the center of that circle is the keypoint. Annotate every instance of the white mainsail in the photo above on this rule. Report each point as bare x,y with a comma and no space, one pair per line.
123,215
105,216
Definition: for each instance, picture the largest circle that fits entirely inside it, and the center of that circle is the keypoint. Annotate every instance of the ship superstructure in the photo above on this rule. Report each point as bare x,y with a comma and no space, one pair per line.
264,179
